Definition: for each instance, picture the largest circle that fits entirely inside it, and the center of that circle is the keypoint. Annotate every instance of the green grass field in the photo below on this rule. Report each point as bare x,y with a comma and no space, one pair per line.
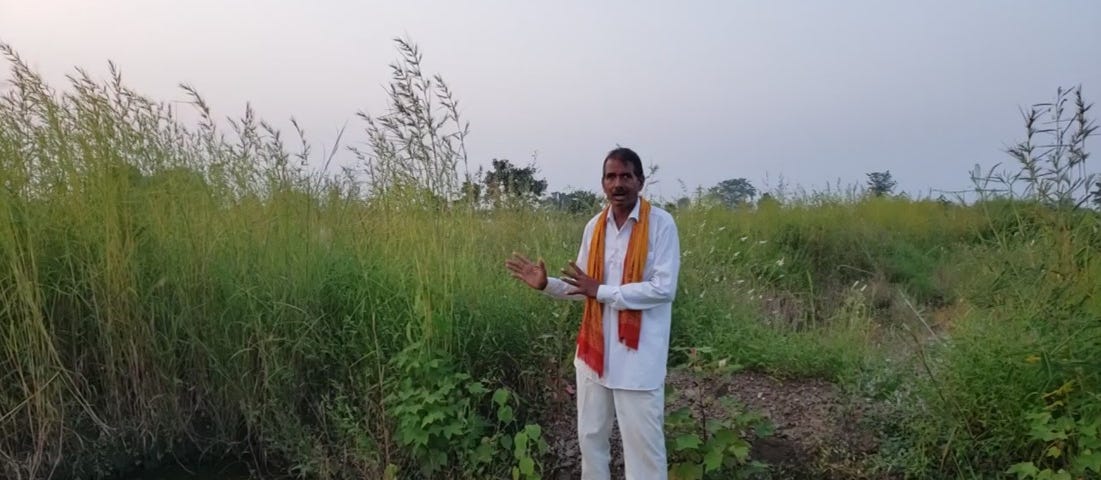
175,290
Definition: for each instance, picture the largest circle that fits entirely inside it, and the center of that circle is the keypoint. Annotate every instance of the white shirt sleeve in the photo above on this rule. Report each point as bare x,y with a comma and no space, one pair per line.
557,288
661,286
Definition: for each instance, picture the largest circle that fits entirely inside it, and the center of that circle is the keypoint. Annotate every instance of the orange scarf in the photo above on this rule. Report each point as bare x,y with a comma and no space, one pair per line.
590,342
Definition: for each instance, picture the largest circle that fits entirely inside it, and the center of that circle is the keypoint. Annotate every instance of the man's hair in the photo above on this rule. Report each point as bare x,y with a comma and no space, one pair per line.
625,155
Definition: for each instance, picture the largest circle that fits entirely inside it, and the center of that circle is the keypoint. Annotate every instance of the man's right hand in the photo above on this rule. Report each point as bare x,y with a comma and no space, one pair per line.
533,274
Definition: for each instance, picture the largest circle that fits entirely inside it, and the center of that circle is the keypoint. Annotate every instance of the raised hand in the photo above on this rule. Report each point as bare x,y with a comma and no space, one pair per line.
533,274
582,283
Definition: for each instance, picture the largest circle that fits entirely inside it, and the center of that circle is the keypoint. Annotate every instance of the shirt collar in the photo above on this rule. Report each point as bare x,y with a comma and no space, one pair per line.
634,211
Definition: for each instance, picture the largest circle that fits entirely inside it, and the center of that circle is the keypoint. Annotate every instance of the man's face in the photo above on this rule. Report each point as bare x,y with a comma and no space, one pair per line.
621,184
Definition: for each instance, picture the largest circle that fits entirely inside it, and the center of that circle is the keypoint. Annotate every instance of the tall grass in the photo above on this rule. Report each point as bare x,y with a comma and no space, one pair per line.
182,290
179,289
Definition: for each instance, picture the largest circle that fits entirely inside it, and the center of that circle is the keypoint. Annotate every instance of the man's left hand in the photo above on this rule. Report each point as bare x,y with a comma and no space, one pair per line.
581,282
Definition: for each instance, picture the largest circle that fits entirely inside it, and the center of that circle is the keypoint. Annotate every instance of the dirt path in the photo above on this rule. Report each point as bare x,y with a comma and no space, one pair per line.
819,431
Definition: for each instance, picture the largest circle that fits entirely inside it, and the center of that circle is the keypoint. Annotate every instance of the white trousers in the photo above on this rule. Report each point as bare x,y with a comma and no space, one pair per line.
641,416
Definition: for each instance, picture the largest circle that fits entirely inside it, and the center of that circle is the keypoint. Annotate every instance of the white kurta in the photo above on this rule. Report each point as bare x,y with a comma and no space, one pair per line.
632,388
624,368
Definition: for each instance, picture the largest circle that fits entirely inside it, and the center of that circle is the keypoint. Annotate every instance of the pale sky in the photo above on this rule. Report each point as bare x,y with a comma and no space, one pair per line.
811,91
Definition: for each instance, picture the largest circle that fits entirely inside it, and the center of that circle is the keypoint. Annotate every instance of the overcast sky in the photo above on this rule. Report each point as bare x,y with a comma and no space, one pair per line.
811,91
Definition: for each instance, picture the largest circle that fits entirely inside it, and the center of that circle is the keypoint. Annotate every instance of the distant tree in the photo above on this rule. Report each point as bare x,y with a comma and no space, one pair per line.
733,192
881,183
680,204
471,193
506,183
767,201
1097,194
577,201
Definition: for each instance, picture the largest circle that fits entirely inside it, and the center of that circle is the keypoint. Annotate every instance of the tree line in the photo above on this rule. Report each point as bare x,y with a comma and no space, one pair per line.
507,185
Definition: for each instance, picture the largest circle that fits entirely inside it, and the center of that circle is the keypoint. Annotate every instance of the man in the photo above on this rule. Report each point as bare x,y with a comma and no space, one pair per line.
626,272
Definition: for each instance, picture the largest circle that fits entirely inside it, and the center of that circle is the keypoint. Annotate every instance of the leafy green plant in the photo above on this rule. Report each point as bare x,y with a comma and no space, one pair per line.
1070,444
708,436
435,409
523,449
528,447
439,420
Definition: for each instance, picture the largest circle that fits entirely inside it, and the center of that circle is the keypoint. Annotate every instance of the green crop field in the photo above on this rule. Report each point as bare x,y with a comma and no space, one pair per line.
182,290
